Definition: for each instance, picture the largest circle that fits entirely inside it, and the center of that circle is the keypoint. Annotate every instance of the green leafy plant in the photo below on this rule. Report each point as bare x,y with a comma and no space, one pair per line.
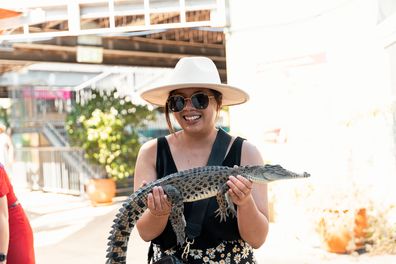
107,127
4,116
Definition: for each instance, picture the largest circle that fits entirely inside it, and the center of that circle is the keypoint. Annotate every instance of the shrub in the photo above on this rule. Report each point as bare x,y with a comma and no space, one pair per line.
107,126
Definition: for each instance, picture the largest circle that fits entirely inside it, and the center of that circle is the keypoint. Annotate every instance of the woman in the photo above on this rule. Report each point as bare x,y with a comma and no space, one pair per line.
16,236
195,95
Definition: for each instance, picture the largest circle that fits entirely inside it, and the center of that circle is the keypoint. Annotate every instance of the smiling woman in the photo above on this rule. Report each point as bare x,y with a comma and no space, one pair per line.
194,95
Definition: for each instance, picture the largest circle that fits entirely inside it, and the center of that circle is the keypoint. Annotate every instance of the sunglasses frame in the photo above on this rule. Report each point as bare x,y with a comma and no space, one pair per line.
185,99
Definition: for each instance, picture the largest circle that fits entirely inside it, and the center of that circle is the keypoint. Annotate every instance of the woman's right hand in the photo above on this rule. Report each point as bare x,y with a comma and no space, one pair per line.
157,202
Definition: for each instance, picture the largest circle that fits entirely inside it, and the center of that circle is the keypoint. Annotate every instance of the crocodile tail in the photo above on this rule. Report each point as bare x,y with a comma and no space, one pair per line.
124,222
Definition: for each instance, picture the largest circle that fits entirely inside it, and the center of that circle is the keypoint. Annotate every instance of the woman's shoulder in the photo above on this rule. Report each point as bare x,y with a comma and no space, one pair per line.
148,147
246,143
147,155
250,153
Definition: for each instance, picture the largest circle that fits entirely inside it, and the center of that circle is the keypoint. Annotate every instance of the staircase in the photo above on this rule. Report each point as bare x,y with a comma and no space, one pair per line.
56,134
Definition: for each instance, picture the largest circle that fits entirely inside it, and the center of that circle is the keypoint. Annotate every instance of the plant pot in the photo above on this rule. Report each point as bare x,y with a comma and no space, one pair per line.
338,242
340,235
101,191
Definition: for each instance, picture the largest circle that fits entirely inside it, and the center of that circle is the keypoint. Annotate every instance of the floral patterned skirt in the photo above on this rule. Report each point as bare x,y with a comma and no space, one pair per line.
237,251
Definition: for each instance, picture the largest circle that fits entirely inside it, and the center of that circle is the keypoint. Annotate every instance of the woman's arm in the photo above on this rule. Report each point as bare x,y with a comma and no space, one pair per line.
4,229
154,220
251,200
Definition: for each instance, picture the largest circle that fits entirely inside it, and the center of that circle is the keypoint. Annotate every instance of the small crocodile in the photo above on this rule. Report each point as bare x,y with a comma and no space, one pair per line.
186,186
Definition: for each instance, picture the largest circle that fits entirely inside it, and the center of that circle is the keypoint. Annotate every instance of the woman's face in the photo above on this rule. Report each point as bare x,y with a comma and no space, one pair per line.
195,117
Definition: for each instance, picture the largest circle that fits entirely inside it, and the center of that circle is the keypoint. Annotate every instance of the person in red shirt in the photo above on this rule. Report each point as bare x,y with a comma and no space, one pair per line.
16,235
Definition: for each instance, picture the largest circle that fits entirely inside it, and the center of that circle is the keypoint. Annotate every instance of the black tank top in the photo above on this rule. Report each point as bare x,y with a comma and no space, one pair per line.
213,232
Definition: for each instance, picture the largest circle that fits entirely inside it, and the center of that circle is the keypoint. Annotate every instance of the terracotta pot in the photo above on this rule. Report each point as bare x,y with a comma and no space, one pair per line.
101,191
338,240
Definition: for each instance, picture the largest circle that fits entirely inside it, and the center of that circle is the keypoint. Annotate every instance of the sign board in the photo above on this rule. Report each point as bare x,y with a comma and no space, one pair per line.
89,54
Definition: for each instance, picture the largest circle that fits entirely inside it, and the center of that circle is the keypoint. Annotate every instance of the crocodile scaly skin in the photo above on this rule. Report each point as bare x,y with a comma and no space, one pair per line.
186,186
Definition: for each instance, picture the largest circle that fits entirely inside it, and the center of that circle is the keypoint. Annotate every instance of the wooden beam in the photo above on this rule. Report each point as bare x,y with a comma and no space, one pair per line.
48,26
155,55
178,43
43,47
144,54
149,45
48,53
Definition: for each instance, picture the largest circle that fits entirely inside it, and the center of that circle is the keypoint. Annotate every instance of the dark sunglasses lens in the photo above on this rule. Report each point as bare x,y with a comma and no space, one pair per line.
200,100
176,103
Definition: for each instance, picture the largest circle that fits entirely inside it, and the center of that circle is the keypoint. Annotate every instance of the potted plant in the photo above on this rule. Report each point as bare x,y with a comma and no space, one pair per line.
341,220
381,232
357,221
107,127
343,231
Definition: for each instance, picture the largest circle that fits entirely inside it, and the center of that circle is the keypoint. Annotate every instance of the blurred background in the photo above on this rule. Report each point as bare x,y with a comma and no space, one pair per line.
322,80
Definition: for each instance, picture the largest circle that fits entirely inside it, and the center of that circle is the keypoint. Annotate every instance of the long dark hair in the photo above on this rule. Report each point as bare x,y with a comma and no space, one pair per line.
218,97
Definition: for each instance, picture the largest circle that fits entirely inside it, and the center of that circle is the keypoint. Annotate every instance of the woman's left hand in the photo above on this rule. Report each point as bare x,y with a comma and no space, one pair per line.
240,189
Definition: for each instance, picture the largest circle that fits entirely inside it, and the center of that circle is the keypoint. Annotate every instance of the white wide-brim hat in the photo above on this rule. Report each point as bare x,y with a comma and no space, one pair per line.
194,72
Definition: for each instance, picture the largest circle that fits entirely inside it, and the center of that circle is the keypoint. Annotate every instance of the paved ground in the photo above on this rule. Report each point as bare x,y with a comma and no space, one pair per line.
68,229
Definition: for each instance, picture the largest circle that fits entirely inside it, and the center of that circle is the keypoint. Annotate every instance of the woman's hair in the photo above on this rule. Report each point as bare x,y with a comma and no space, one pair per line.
217,95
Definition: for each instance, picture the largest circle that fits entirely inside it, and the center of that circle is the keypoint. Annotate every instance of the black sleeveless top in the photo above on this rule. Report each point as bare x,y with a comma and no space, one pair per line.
213,231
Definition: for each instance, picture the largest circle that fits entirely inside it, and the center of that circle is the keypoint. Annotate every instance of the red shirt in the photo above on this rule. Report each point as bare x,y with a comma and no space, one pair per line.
6,187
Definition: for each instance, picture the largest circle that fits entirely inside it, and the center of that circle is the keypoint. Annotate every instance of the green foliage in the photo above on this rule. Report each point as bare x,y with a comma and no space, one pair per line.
4,116
106,127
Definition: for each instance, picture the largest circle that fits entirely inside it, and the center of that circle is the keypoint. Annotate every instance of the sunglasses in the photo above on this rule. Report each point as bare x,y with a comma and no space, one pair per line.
199,100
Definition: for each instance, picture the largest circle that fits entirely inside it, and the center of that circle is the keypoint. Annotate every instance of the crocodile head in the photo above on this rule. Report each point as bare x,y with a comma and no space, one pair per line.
269,173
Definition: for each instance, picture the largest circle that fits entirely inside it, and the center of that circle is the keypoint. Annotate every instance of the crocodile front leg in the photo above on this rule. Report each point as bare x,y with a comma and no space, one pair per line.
226,206
176,216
